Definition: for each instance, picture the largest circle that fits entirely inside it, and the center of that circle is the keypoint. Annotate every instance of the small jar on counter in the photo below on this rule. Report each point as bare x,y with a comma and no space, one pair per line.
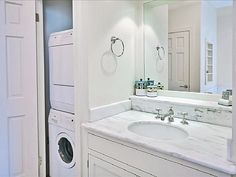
152,91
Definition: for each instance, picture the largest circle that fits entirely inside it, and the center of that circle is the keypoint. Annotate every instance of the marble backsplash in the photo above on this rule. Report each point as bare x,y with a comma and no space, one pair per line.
201,111
105,111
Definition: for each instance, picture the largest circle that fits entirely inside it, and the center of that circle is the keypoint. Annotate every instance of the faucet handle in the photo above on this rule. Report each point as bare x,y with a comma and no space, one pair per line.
184,121
171,110
158,116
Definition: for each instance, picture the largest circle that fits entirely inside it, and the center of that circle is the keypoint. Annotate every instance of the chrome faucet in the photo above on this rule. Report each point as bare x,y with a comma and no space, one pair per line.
169,114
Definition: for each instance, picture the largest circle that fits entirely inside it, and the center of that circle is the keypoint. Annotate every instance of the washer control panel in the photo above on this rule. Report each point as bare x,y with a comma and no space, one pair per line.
62,119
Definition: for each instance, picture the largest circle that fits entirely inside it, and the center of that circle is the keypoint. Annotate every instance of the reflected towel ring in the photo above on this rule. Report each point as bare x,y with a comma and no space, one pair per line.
158,51
113,41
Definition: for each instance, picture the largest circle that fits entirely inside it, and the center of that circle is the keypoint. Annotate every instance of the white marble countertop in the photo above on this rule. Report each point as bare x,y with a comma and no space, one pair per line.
206,144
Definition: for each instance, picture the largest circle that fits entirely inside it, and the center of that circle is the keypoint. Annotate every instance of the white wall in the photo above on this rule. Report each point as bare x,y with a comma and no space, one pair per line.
189,17
139,60
156,34
208,33
111,79
224,55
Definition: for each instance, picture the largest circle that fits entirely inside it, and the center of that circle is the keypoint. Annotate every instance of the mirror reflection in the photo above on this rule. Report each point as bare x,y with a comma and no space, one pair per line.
188,45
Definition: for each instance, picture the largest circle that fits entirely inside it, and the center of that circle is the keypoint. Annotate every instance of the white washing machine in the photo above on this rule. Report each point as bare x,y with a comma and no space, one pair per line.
61,71
62,144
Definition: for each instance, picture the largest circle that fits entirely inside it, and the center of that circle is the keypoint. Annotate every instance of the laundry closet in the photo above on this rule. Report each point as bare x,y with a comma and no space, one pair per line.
59,87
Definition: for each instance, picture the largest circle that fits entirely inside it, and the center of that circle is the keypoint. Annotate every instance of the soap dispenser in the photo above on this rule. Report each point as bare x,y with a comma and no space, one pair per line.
140,88
149,82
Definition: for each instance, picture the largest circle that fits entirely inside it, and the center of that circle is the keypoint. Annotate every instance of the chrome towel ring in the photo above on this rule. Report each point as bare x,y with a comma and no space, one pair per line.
113,41
158,51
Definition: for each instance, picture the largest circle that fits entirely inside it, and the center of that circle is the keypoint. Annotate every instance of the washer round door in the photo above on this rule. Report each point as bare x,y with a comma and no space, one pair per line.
65,150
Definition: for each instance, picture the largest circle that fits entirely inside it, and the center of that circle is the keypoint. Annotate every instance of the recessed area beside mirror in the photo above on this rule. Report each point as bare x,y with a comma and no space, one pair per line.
188,45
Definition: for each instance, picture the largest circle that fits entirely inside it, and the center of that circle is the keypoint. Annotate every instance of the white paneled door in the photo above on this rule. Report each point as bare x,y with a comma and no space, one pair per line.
179,59
18,90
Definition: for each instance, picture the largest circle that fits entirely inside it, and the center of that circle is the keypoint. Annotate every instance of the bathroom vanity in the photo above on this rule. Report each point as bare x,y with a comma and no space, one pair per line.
179,133
137,144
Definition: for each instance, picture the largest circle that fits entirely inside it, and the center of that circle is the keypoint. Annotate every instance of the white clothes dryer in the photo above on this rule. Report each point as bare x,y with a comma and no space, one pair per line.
62,144
61,71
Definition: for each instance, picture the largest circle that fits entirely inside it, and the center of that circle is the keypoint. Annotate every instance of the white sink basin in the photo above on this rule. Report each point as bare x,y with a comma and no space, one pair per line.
158,131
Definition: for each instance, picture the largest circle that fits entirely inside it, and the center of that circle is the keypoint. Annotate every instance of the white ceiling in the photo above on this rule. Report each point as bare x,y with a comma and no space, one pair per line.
180,4
221,3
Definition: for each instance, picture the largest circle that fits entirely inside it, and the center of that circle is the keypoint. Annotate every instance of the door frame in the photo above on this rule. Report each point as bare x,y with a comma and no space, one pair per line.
232,143
190,50
41,90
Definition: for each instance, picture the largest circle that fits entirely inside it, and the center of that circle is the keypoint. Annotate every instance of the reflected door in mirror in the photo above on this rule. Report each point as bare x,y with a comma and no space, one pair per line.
179,46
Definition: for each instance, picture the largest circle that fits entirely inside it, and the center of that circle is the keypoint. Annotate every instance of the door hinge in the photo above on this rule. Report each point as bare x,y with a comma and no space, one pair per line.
37,17
87,163
40,160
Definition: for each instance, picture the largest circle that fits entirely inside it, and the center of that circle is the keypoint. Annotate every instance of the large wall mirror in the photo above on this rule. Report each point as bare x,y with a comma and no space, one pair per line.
188,44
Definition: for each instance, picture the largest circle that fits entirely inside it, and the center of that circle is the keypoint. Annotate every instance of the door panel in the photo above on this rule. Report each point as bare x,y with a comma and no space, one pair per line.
100,168
18,91
179,56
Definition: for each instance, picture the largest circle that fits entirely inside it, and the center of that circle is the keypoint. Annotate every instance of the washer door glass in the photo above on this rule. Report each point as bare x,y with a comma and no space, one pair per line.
65,150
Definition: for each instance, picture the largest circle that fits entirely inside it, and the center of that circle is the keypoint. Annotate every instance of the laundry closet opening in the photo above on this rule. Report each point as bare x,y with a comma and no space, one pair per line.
57,17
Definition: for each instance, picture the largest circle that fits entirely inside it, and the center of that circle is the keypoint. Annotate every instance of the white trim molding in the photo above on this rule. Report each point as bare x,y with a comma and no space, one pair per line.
233,147
41,91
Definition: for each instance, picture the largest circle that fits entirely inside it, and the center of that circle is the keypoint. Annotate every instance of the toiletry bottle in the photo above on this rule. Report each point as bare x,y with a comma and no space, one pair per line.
225,100
140,89
159,86
149,82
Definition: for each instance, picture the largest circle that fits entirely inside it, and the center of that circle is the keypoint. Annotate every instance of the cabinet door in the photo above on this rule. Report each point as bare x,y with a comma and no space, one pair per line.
100,168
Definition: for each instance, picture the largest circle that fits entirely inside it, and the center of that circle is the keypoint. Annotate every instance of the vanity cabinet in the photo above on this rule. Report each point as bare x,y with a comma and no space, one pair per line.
111,158
101,168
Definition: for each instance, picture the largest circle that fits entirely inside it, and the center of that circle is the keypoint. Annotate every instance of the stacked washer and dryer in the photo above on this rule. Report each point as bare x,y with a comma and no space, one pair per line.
61,117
